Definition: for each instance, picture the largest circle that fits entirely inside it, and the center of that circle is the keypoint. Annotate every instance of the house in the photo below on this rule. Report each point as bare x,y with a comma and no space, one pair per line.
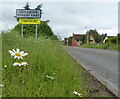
80,39
91,39
77,39
104,38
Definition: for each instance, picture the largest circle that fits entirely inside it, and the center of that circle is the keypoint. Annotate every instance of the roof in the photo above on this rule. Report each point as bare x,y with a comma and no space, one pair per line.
78,36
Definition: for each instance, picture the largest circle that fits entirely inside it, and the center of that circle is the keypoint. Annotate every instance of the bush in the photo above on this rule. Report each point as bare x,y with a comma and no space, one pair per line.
113,40
43,30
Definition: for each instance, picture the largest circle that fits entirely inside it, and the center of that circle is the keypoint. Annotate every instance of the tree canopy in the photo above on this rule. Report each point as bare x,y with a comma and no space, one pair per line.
95,34
29,30
27,7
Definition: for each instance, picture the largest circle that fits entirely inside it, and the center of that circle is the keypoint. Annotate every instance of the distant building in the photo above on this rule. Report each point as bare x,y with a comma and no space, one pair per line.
104,38
78,38
91,39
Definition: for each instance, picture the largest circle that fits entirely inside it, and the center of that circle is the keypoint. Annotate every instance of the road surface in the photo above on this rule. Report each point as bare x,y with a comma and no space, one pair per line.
103,64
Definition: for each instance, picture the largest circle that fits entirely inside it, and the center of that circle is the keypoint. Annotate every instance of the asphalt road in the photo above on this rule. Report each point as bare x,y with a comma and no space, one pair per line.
103,64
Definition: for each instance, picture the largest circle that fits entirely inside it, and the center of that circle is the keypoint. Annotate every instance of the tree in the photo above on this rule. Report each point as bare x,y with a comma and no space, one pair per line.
70,40
39,7
27,6
95,34
29,30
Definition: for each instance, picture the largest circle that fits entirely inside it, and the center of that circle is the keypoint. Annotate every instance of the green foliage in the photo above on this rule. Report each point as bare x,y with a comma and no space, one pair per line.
29,30
103,46
70,40
84,39
96,35
113,40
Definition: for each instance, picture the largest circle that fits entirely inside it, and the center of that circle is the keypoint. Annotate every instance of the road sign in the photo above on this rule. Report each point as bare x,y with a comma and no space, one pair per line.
32,13
29,21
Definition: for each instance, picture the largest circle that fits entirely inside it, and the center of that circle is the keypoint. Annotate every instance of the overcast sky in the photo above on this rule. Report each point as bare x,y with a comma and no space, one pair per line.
68,17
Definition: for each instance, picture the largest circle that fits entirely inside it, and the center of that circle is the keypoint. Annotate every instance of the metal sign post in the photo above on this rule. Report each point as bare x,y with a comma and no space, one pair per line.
22,31
31,16
36,32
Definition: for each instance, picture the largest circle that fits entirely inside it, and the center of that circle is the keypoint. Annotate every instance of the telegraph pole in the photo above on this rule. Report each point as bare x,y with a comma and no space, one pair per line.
87,34
87,37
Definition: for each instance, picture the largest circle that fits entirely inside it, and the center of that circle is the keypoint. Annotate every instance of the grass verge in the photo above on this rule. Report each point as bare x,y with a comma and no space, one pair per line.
103,46
46,57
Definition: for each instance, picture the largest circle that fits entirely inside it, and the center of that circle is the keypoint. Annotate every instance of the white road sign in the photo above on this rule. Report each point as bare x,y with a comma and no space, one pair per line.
22,13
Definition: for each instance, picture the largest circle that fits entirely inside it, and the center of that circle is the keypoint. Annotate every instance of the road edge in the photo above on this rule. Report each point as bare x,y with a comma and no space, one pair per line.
103,81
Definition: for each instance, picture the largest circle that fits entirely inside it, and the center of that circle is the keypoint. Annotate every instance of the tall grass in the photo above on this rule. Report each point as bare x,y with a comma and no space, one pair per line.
46,57
0,63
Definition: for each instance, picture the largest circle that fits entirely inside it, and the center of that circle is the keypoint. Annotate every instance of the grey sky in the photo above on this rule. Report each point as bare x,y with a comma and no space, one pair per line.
68,17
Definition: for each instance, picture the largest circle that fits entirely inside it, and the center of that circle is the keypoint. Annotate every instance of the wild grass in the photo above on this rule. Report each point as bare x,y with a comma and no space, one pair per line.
46,57
103,46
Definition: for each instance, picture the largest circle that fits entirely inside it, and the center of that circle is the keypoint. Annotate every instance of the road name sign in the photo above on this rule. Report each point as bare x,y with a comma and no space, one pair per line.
32,13
29,21
31,16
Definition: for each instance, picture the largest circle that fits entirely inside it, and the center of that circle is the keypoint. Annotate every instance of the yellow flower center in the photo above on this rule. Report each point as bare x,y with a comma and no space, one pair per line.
19,63
17,54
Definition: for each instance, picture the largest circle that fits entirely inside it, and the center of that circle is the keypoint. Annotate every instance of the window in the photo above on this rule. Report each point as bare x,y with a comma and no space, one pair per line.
91,40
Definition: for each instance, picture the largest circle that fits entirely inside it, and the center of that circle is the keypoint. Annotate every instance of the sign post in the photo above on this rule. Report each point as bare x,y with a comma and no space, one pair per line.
29,17
22,31
36,31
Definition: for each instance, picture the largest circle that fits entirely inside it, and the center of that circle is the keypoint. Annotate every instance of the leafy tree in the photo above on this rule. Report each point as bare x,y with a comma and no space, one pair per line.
38,7
113,40
84,39
29,30
70,40
118,38
95,34
27,6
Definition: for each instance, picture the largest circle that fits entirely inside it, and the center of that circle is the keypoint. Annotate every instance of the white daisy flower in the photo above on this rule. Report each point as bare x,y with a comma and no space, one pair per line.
20,64
50,77
1,85
5,66
17,54
76,93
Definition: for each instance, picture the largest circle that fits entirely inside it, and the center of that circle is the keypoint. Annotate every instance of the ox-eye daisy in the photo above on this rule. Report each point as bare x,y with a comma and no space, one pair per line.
76,93
20,64
50,77
17,54
1,85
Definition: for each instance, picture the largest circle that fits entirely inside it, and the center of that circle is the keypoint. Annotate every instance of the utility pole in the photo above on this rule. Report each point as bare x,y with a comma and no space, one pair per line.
87,34
87,37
